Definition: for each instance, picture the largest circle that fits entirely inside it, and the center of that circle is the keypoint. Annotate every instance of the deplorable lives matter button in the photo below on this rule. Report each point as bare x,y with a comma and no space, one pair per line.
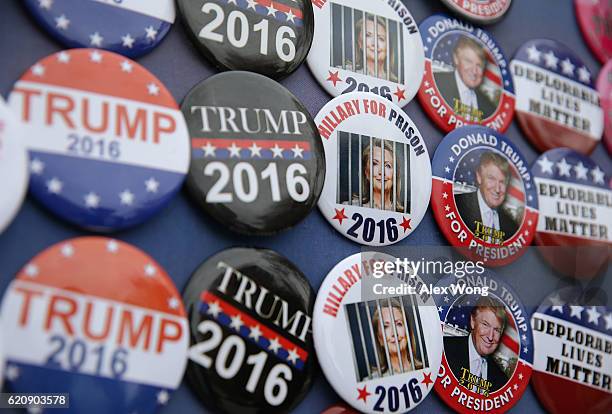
378,175
594,18
488,345
380,353
130,27
367,46
250,312
467,79
604,87
556,101
483,195
257,164
270,37
13,164
480,11
108,145
573,355
66,327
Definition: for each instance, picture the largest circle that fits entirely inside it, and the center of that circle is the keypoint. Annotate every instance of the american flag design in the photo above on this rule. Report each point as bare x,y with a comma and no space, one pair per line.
67,297
89,113
287,12
245,149
130,27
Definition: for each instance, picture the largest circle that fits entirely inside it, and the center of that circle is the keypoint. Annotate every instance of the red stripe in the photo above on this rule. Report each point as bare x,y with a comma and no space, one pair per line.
268,333
510,343
245,143
516,193
493,77
281,7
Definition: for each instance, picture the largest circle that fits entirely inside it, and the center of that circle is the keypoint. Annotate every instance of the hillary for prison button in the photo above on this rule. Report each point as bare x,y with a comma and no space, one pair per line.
378,175
99,319
108,145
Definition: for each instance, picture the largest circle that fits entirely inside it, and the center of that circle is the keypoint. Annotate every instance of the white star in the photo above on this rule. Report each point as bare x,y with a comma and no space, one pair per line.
593,315
584,75
95,56
38,70
567,67
440,309
445,195
271,10
255,150
293,356
45,4
54,186
112,246
274,345
290,16
173,303
163,397
232,2
95,39
127,197
214,309
564,168
127,41
37,166
525,350
534,54
446,169
524,337
62,22
608,319
126,66
515,386
277,151
153,89
576,311
63,57
297,151
557,304
255,333
150,270
31,270
12,372
581,171
451,159
67,250
209,150
234,150
92,200
151,32
446,299
251,4
545,165
152,185
551,60
520,376
236,322
598,175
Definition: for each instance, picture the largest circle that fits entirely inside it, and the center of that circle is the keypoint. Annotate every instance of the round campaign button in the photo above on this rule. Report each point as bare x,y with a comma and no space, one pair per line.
108,145
467,80
594,17
572,368
488,344
257,164
556,102
97,319
365,135
338,409
480,11
367,46
13,164
483,195
604,87
575,206
130,27
271,37
380,352
251,341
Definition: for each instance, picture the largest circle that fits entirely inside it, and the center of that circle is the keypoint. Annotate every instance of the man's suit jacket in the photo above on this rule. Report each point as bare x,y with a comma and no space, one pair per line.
447,85
469,210
457,355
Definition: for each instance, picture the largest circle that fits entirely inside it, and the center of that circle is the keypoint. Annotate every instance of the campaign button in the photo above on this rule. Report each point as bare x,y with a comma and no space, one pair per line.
257,164
129,27
488,344
575,206
338,409
371,46
480,11
98,319
270,37
467,80
483,195
366,202
604,87
251,349
594,17
13,164
108,144
572,365
379,350
556,102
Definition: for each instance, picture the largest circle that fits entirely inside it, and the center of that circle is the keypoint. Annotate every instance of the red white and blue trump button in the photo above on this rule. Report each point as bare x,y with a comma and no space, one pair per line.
129,27
108,145
556,101
99,319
